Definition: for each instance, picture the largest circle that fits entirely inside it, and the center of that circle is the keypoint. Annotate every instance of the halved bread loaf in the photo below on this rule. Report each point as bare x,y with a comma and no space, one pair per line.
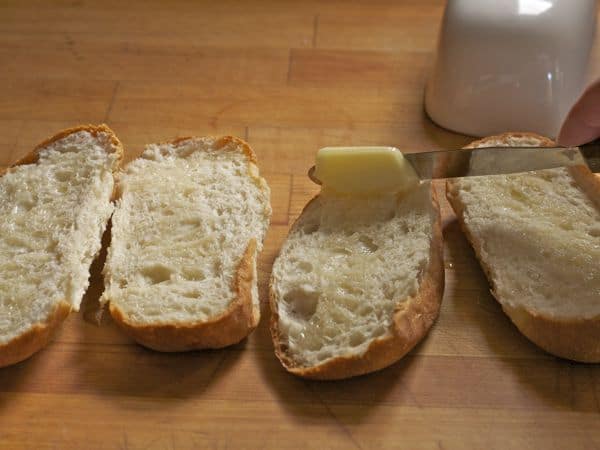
357,284
181,267
537,237
54,206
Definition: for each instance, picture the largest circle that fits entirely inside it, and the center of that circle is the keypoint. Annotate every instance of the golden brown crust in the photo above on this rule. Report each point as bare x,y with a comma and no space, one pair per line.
233,325
413,318
32,156
35,338
588,182
221,142
487,141
577,339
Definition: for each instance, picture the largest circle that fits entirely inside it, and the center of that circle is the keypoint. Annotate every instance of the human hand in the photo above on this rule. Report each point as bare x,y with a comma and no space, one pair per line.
582,123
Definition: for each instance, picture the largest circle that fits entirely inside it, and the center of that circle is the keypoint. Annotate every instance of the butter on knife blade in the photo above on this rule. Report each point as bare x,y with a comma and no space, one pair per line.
363,170
368,170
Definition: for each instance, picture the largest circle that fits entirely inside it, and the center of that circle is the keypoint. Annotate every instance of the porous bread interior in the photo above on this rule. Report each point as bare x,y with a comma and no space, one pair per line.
540,238
347,264
181,226
52,216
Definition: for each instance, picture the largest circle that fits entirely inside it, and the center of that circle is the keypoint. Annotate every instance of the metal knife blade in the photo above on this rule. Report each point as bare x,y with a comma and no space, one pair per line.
497,160
501,160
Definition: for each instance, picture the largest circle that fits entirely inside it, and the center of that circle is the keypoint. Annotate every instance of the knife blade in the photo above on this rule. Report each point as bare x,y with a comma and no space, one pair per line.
501,160
497,160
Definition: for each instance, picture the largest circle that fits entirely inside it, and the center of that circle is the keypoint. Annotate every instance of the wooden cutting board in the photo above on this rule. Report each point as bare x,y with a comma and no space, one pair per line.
289,77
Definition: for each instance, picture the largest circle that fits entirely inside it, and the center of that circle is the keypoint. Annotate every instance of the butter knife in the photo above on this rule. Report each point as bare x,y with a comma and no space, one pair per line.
497,160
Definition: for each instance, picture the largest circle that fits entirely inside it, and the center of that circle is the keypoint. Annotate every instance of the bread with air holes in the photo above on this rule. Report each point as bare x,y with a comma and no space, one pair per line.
54,206
537,237
357,284
189,223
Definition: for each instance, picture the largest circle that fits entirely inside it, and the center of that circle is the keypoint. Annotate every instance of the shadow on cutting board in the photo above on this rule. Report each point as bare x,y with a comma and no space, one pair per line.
27,375
132,370
114,364
522,374
16,378
349,401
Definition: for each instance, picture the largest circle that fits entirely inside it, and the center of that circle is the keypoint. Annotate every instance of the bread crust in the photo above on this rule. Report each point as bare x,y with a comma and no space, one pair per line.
576,339
233,325
238,320
33,156
220,143
35,338
412,319
488,141
39,335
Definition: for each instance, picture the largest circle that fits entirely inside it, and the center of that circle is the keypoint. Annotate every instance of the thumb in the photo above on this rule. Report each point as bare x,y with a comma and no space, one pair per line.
582,123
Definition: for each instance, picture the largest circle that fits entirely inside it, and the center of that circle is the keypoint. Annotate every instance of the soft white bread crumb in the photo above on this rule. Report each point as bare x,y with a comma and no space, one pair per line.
187,214
538,237
53,212
347,268
543,235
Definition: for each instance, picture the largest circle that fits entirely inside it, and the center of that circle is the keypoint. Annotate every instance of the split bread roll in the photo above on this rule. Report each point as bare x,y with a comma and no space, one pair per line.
358,283
189,222
54,206
537,237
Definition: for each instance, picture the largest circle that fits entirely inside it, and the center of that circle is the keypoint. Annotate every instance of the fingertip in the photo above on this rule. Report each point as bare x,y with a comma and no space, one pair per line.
565,136
574,133
582,123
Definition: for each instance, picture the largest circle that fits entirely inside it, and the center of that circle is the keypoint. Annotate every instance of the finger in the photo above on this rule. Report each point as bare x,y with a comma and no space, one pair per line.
582,123
577,133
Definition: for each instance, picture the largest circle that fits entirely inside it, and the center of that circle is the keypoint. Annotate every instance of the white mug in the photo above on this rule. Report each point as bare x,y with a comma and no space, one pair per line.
510,65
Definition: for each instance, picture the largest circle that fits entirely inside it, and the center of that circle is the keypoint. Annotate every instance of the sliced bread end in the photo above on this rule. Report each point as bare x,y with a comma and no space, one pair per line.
572,337
40,329
113,144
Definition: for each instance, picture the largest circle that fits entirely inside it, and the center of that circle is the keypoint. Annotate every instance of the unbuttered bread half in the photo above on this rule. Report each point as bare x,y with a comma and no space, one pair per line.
189,223
537,237
357,284
54,206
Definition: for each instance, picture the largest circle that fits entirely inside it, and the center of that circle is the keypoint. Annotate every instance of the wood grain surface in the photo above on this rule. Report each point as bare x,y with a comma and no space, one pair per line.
289,77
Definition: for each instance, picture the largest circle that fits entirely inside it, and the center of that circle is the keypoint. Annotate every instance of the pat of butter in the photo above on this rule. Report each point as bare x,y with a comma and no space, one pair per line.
364,170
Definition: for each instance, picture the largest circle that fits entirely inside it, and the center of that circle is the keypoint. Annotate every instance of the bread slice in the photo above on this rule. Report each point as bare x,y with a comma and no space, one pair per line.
54,206
357,284
537,237
181,267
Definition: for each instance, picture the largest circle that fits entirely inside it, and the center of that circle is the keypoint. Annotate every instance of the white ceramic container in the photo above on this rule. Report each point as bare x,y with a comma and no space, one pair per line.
510,65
